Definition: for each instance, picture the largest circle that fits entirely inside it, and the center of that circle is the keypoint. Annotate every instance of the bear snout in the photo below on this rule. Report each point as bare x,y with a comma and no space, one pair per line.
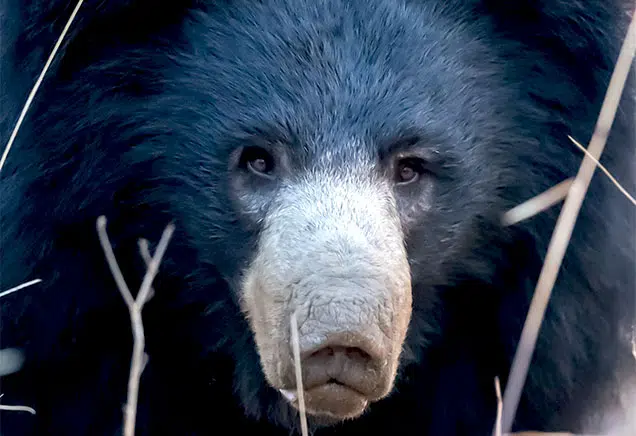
337,259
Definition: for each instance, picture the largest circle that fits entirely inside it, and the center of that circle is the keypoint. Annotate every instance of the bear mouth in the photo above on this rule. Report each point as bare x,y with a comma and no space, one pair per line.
329,402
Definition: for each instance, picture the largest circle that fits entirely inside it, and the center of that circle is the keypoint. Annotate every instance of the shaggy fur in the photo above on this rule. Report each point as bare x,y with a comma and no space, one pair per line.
137,120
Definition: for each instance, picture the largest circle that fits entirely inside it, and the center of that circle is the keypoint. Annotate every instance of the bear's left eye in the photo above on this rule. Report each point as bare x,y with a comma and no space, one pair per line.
408,170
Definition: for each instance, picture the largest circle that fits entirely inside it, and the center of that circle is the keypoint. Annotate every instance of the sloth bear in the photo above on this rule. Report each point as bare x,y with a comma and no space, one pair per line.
345,161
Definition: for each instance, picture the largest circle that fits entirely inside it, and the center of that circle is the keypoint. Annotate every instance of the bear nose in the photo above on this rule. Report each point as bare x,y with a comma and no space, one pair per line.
350,359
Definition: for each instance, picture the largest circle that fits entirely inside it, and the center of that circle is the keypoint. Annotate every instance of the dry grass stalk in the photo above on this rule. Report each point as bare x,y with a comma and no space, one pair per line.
135,307
553,195
299,377
19,287
539,433
563,229
35,88
497,431
17,408
602,168
537,204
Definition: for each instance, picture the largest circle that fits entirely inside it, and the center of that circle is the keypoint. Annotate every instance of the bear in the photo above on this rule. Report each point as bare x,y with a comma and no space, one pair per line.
344,162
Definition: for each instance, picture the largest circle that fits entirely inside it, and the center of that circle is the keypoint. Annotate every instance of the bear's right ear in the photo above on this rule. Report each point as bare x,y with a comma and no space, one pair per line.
592,30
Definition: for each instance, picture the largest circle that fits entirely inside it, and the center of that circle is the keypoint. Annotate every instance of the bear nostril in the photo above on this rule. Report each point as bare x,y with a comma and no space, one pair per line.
348,352
357,353
359,348
356,346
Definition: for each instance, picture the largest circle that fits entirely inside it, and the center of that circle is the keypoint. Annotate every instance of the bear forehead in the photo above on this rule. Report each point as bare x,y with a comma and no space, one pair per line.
336,72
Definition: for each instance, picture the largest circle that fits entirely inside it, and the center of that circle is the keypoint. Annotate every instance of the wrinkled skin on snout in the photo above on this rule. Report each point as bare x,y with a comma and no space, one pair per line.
332,251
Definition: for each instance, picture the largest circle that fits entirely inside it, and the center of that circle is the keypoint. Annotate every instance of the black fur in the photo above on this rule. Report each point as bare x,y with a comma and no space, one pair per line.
136,120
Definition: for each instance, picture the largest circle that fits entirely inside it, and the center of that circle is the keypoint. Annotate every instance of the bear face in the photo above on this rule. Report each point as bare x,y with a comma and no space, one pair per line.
333,198
347,162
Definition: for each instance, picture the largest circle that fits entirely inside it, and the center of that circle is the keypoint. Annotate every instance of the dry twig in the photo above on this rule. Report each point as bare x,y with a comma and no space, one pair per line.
144,250
299,377
563,229
135,307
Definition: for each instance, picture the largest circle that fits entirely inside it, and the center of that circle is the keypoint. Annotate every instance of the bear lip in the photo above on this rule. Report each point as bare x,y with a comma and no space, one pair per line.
331,400
291,394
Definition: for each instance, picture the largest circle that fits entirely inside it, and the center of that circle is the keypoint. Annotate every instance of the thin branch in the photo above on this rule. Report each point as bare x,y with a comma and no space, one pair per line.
144,249
537,204
602,168
139,358
299,377
153,267
135,306
19,287
35,88
563,230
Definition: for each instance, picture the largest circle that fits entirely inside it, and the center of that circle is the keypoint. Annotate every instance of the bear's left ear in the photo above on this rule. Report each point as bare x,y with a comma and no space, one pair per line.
29,29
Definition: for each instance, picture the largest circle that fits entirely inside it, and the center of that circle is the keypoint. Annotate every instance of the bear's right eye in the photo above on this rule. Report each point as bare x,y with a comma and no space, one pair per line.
258,161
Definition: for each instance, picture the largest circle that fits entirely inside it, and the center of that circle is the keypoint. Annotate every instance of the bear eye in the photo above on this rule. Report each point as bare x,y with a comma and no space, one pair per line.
408,170
258,161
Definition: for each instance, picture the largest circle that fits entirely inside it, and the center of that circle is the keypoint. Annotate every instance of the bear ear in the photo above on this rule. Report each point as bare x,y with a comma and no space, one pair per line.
574,26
